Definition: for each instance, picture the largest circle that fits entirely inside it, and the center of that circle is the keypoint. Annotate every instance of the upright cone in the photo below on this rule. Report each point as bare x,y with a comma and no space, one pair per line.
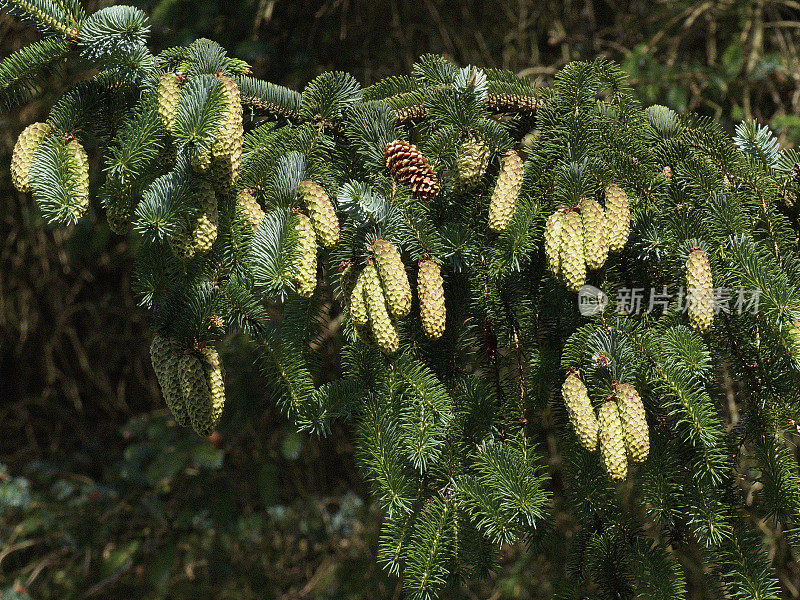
164,356
553,239
226,150
573,262
381,324
409,167
321,212
200,234
22,157
393,276
471,162
699,291
169,93
305,257
250,208
79,176
430,289
612,442
506,191
618,217
580,411
634,422
595,242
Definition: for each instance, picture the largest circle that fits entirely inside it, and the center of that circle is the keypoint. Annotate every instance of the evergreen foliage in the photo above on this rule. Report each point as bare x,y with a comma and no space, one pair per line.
448,425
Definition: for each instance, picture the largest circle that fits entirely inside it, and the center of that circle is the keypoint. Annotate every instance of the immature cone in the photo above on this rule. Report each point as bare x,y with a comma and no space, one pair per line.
618,217
471,163
381,324
200,159
506,191
595,242
393,276
200,235
169,93
612,442
430,289
358,305
226,149
579,408
304,266
119,216
22,157
699,291
78,166
572,260
553,238
634,422
250,208
164,355
194,387
409,167
321,213
205,417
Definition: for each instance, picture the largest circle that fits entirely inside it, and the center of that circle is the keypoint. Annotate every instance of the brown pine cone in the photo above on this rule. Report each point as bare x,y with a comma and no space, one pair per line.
408,167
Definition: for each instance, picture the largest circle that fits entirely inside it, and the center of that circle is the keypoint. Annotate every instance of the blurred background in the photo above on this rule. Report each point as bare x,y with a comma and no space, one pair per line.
100,495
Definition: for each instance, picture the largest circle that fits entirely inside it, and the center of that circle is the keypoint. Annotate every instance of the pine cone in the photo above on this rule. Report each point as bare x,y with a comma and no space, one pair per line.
24,150
579,408
321,212
393,276
634,422
409,167
169,94
553,239
618,217
511,103
200,235
194,387
430,289
358,306
164,356
119,216
305,258
612,442
226,149
471,162
200,158
573,262
381,324
250,208
699,291
595,243
212,369
79,176
506,191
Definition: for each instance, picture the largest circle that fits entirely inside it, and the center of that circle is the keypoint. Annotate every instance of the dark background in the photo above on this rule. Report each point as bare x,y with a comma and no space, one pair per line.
99,495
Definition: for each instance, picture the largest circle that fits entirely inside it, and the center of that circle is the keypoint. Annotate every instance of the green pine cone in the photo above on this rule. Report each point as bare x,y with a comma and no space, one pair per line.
634,422
506,191
212,368
699,291
595,242
200,158
381,324
358,306
393,276
430,289
194,386
471,162
199,236
164,356
321,212
618,217
612,442
579,408
79,176
226,149
119,216
304,266
169,94
250,208
24,150
553,238
571,257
